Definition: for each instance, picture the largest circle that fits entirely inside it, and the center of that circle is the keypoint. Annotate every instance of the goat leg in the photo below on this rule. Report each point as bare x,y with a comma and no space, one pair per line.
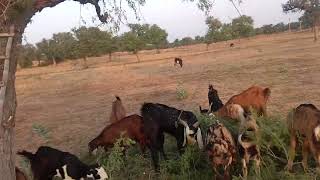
305,153
292,150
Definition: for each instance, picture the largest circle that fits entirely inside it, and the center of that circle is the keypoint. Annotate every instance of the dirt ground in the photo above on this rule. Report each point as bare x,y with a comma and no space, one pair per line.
74,105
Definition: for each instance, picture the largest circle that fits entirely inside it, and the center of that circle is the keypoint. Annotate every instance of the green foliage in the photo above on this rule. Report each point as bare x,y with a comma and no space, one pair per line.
27,54
181,92
243,26
93,42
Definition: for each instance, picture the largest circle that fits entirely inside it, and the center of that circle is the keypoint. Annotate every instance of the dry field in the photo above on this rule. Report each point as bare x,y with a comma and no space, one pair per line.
74,105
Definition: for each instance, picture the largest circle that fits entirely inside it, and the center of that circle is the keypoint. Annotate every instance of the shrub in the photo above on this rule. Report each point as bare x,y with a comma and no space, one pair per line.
181,92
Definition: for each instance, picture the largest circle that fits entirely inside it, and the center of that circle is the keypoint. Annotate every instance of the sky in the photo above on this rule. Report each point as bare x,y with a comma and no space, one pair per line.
180,19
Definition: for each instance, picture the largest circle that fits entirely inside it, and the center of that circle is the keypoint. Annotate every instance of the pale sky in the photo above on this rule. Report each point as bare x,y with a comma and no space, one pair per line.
180,19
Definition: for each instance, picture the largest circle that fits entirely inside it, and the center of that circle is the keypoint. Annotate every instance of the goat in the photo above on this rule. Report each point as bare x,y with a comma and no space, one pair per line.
178,61
221,148
215,102
254,97
118,111
46,161
305,121
159,119
248,149
130,126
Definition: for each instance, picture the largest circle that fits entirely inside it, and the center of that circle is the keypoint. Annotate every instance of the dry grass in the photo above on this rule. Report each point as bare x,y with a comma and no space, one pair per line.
74,105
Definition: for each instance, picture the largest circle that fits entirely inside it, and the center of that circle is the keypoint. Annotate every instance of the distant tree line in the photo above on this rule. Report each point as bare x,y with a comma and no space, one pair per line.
86,42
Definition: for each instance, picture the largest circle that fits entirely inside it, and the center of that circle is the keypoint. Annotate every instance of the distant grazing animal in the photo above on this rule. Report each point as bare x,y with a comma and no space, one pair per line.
215,102
248,149
203,111
221,149
305,121
118,111
130,126
20,175
48,162
159,119
231,44
178,61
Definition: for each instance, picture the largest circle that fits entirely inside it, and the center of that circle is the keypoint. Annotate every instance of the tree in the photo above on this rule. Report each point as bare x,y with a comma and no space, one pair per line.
243,26
213,32
50,50
306,19
132,43
18,13
280,27
309,6
26,55
65,44
157,37
186,41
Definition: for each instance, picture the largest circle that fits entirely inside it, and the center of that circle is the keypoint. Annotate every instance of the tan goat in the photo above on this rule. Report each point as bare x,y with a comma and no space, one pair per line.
305,121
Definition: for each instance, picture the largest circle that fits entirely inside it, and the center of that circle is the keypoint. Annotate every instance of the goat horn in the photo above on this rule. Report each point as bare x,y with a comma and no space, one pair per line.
183,123
245,145
196,124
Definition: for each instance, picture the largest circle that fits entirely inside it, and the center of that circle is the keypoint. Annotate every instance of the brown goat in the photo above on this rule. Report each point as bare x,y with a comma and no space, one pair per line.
20,175
118,112
221,149
305,121
255,97
130,127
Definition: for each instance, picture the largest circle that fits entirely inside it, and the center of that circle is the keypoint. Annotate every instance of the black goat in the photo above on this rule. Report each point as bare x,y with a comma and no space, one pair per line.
215,102
48,162
159,119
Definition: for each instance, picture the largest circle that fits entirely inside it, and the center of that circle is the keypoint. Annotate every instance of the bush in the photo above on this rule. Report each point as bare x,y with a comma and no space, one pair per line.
181,92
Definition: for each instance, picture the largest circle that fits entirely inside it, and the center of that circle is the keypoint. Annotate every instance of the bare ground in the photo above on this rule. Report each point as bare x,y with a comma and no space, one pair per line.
74,105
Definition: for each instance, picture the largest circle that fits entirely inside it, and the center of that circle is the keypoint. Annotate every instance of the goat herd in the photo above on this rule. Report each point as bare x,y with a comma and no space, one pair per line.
156,119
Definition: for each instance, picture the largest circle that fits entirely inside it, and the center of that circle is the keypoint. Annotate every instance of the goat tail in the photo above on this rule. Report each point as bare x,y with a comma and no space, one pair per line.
266,92
26,154
118,98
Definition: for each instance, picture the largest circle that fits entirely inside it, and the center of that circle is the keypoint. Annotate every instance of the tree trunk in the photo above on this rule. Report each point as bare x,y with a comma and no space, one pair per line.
110,57
7,134
136,53
85,65
54,61
315,28
39,62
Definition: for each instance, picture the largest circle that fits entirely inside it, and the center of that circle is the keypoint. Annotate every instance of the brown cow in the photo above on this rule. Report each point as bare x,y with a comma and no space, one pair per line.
20,175
118,112
255,97
130,126
305,121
